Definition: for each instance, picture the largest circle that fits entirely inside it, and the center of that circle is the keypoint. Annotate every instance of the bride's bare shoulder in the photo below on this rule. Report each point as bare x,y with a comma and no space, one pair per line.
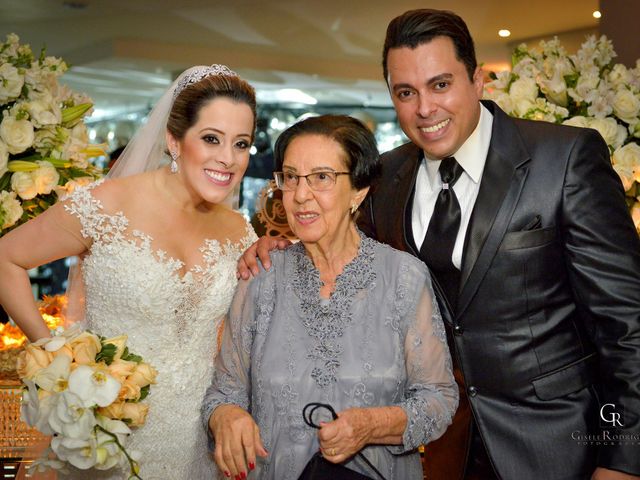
117,193
231,224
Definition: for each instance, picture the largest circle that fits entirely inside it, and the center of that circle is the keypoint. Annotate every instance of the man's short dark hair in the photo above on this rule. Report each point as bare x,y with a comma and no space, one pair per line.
416,27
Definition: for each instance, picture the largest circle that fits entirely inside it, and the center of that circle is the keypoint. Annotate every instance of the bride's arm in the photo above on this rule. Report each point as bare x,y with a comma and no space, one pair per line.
52,235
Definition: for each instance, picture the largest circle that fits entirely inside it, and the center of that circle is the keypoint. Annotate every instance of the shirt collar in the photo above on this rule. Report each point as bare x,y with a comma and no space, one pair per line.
472,155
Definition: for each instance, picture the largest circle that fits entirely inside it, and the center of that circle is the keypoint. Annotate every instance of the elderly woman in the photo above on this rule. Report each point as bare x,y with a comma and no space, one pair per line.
340,319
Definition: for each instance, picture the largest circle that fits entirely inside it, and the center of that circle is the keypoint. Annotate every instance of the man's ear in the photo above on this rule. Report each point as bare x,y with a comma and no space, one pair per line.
478,82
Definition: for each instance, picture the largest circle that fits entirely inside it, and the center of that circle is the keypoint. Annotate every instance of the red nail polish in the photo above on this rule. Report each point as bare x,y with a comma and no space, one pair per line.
243,475
252,465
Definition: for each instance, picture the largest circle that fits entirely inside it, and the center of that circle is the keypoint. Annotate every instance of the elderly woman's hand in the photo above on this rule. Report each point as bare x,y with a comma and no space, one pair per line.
237,440
346,436
355,428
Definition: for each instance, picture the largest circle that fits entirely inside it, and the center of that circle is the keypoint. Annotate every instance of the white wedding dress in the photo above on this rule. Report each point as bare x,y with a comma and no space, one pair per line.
172,321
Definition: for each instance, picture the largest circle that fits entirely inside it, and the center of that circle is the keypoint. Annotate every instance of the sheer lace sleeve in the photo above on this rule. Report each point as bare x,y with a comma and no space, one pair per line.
431,394
231,379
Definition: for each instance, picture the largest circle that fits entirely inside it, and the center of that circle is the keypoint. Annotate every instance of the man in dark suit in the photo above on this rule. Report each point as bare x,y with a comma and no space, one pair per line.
536,261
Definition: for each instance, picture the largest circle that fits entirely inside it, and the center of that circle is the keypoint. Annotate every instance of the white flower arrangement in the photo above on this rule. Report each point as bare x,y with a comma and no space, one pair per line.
85,392
44,145
583,90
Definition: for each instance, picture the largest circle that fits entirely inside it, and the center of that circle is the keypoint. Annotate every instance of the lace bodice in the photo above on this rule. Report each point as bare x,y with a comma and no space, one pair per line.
171,320
377,341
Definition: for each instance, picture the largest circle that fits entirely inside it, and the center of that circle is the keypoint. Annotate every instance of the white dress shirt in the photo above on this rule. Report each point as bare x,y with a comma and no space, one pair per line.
471,156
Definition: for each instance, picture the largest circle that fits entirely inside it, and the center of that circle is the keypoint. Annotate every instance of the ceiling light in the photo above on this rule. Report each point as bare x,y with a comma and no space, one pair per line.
504,33
597,14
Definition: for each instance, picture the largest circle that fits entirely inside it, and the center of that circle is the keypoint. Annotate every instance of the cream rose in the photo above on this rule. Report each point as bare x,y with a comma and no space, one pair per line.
46,177
121,369
136,413
613,133
120,342
85,348
32,360
626,161
129,391
10,209
18,135
626,105
11,82
143,375
577,121
22,183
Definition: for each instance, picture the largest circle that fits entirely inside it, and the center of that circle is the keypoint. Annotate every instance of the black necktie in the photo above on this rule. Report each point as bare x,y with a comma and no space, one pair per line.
442,232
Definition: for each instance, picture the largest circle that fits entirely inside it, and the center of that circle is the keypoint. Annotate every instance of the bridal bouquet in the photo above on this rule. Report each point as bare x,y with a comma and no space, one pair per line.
44,145
585,90
86,392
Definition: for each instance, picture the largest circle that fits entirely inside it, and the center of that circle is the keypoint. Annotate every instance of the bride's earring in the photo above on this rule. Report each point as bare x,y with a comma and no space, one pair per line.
354,207
173,166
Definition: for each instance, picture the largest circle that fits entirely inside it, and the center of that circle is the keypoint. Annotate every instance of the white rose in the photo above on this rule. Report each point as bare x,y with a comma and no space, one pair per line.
524,89
10,209
577,121
613,133
634,129
627,159
4,158
22,183
45,178
10,82
17,134
626,105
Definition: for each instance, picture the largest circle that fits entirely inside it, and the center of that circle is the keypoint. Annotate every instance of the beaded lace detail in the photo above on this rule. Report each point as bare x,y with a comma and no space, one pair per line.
171,320
324,320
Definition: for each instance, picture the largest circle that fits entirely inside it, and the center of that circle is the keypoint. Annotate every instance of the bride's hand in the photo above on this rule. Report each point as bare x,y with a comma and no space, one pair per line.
237,440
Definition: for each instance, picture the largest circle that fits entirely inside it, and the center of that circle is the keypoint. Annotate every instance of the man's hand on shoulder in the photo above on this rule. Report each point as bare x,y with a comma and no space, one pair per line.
606,474
248,262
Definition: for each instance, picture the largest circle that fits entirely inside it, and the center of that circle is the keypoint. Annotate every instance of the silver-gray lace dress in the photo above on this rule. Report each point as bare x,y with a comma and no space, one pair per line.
377,341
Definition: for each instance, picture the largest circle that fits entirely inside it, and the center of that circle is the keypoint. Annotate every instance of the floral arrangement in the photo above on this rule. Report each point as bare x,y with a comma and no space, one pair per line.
86,392
584,90
44,145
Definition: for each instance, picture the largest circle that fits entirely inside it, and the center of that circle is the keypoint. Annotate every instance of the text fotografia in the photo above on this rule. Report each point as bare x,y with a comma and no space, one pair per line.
606,437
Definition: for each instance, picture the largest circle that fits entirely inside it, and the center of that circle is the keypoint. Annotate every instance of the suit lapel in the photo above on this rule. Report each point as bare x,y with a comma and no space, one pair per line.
502,180
401,196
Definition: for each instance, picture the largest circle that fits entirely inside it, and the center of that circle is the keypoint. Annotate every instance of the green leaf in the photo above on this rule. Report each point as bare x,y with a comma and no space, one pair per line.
5,181
144,392
107,353
131,357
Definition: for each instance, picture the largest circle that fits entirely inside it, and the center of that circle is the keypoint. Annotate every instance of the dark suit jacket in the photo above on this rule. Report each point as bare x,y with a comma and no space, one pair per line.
546,328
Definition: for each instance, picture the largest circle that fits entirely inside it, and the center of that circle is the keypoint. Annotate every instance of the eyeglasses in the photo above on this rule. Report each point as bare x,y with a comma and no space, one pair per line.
317,181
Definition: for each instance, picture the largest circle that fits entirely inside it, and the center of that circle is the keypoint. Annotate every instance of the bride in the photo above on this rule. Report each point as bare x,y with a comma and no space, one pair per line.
159,246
